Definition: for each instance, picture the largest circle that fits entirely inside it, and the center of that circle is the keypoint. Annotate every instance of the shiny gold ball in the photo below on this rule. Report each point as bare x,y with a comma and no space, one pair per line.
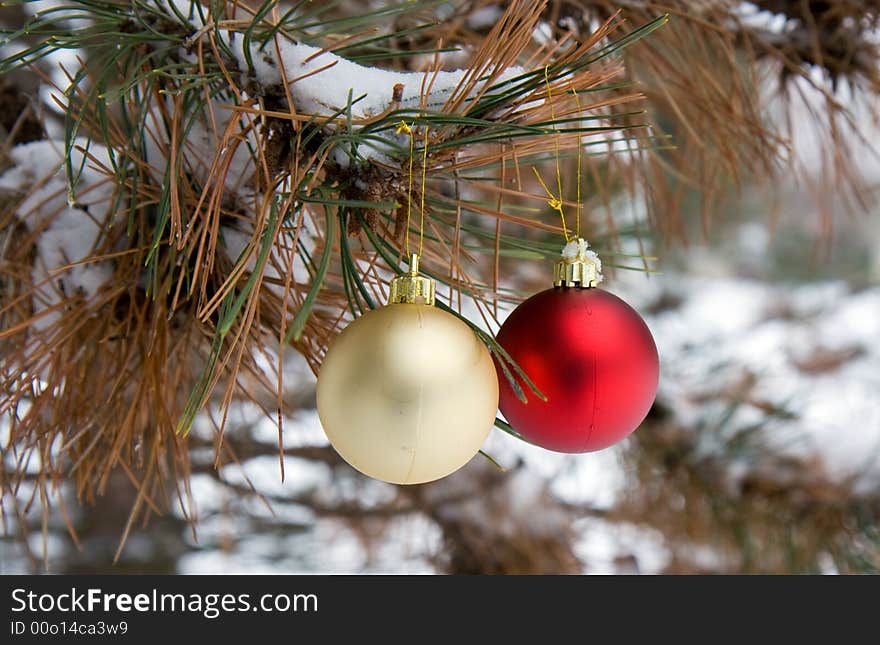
407,393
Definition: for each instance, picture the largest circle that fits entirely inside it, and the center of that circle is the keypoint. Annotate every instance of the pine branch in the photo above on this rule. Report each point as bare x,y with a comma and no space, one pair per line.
208,154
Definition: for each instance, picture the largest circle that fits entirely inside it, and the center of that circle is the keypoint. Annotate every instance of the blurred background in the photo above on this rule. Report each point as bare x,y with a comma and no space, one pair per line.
760,455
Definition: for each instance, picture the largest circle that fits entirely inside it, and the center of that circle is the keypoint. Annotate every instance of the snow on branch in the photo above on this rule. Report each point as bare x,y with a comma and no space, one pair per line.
69,220
321,82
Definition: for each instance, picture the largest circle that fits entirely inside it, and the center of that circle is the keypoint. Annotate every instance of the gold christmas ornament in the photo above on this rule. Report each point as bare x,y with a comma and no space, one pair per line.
407,393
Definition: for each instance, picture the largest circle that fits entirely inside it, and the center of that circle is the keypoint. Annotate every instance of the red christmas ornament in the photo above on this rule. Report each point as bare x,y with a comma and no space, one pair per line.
588,352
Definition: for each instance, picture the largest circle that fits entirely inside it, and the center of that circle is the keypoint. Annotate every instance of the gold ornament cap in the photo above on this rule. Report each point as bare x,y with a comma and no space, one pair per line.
412,288
578,267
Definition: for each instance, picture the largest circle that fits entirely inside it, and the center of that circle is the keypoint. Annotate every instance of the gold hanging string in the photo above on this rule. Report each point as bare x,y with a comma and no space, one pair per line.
554,201
411,287
422,203
403,126
556,137
577,212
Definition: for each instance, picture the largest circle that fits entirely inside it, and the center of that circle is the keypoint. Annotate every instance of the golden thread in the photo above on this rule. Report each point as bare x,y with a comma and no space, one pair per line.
555,138
403,126
553,201
413,288
422,203
577,212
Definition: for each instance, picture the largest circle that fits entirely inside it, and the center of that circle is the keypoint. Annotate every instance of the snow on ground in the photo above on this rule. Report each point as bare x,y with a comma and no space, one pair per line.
780,334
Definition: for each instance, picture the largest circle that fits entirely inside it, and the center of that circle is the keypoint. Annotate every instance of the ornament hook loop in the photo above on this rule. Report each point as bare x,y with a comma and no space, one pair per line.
412,288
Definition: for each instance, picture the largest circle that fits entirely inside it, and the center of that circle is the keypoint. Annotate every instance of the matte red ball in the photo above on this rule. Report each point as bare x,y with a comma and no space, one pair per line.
594,359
